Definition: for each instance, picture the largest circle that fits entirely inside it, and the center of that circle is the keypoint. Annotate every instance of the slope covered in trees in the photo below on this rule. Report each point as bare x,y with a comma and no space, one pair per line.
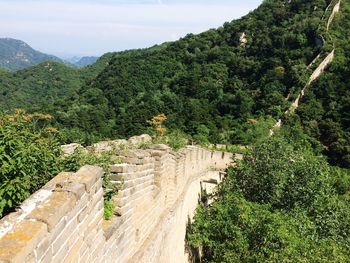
284,202
226,85
212,84
45,87
325,109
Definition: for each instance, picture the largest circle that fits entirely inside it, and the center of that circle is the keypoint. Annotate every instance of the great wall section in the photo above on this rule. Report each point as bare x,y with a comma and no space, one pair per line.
159,191
320,68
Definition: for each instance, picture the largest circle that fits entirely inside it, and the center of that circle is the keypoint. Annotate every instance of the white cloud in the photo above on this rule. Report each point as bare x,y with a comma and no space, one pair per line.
85,27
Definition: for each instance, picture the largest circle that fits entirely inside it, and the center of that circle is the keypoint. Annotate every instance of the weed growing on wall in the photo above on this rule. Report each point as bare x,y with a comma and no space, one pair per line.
80,158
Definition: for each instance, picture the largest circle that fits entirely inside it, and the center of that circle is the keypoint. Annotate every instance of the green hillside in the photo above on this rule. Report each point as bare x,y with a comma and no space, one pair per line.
210,84
286,201
325,110
226,85
45,87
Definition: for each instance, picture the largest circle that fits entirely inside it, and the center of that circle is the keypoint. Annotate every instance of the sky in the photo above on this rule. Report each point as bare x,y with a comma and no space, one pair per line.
69,28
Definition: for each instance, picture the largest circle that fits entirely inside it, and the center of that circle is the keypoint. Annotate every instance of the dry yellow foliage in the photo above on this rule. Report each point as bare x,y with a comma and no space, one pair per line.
157,122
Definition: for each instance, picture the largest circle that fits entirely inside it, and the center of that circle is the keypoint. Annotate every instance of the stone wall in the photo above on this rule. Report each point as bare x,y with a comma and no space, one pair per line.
314,76
335,10
63,222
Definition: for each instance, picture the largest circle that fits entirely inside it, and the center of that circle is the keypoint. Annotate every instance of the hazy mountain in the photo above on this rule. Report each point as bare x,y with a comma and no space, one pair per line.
85,61
16,54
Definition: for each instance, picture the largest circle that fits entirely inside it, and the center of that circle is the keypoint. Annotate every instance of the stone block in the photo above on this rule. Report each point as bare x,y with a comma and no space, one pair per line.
120,211
60,254
47,258
137,140
61,240
58,179
16,245
83,214
31,258
54,209
69,149
123,168
137,154
73,254
75,188
97,187
88,175
43,247
132,160
85,257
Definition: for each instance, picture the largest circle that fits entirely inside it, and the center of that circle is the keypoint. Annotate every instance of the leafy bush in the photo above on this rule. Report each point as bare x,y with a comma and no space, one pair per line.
175,139
29,157
279,204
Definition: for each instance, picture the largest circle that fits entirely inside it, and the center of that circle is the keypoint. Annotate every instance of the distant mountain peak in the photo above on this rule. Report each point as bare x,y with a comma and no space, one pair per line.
81,62
16,55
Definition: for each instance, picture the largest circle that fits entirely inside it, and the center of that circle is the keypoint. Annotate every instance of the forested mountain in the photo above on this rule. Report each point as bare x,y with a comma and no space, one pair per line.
47,86
226,85
325,109
222,84
288,199
81,62
16,54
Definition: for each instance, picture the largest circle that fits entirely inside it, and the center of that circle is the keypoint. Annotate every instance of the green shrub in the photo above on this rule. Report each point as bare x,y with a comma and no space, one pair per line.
29,157
176,139
278,205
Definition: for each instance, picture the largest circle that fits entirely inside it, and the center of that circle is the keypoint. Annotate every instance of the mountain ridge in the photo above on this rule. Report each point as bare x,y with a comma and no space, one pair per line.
16,55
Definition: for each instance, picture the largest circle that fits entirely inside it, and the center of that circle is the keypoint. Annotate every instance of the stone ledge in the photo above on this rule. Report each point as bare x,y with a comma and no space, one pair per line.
54,209
89,175
16,245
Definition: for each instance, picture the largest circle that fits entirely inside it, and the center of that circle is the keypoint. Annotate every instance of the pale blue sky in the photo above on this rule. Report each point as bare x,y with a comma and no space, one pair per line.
86,27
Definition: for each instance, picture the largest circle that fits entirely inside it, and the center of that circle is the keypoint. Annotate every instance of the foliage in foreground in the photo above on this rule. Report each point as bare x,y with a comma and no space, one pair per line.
30,156
283,203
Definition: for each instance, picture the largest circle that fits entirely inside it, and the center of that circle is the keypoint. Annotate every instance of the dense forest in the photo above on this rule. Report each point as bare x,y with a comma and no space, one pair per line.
224,84
288,198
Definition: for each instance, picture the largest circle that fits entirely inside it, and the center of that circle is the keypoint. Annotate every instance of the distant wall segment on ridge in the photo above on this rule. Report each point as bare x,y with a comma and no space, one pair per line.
63,222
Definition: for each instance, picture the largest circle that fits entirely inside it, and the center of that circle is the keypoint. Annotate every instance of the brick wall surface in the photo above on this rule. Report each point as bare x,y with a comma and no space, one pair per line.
63,222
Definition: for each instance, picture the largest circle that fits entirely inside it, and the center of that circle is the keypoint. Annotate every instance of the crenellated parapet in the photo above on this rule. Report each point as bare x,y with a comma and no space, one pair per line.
159,188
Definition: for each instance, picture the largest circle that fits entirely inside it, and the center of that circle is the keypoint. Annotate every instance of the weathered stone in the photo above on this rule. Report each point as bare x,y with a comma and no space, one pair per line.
101,147
61,240
69,149
58,179
30,258
54,209
88,175
123,168
16,245
137,140
151,192
75,188
73,253
140,154
43,246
